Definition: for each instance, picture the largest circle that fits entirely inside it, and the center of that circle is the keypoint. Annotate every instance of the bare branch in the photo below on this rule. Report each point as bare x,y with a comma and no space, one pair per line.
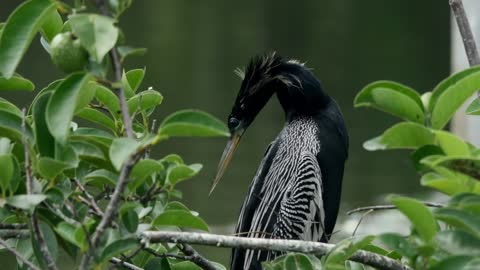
37,233
18,255
13,226
465,31
14,233
125,264
389,207
91,201
112,208
316,248
196,258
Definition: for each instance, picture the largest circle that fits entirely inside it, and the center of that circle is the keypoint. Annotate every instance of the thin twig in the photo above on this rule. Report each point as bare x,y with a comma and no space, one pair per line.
360,221
18,255
14,233
125,264
112,208
465,31
316,248
91,201
13,226
389,207
196,258
37,233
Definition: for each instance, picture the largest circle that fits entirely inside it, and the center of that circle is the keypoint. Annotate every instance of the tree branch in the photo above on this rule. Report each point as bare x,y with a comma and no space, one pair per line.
18,255
90,200
389,207
316,248
111,209
125,264
14,233
13,226
37,233
196,258
465,31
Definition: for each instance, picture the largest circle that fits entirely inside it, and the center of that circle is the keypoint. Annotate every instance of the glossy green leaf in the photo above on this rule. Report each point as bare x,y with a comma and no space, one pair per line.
72,234
45,141
453,262
130,220
180,218
398,243
449,185
95,116
50,168
192,123
345,249
7,169
19,30
157,263
118,247
182,172
97,33
298,262
474,107
142,170
101,177
26,202
5,105
420,216
126,51
393,98
15,83
451,144
469,202
98,137
404,135
131,80
451,93
185,265
458,242
145,100
107,98
61,107
459,219
11,126
86,96
423,152
52,26
121,150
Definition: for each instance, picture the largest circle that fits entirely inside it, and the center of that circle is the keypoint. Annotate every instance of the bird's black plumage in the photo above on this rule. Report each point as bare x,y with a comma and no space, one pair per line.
296,191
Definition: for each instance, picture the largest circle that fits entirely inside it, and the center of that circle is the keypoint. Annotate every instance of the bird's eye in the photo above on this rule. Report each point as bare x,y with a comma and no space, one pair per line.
233,123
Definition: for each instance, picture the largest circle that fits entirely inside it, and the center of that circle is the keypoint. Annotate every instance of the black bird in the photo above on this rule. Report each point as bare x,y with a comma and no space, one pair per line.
295,193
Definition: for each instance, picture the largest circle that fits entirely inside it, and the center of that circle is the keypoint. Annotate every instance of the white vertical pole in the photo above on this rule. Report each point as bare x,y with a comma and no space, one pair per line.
468,127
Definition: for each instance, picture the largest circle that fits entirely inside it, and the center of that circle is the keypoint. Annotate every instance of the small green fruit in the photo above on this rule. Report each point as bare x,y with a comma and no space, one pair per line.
67,53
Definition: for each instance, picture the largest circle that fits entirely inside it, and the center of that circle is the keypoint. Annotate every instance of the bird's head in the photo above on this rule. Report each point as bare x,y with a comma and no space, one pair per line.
264,76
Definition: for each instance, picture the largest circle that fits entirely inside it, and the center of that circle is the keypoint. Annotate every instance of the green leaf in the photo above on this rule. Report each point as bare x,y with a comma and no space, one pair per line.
126,51
453,262
11,126
107,98
345,249
420,216
130,220
148,99
458,242
97,117
185,265
180,218
9,107
52,26
121,150
61,107
45,141
182,172
398,243
131,80
142,170
451,93
474,107
15,83
466,201
298,262
26,202
101,177
117,247
50,168
404,135
19,30
451,144
72,234
157,263
449,185
192,123
423,152
88,93
97,33
7,168
393,98
459,219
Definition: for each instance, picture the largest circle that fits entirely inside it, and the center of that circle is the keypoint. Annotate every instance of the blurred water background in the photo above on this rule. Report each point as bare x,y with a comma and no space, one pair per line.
194,46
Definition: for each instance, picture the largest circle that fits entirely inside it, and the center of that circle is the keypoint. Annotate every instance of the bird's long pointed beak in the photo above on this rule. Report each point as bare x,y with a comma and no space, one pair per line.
226,158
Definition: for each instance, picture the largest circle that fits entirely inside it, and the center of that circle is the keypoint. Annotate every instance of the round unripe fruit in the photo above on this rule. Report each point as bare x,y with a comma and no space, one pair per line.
67,53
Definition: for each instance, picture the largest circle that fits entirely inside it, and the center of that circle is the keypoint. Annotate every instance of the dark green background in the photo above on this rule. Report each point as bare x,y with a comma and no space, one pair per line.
193,47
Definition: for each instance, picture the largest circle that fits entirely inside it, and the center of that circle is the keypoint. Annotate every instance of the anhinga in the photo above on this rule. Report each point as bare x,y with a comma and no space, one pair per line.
295,193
